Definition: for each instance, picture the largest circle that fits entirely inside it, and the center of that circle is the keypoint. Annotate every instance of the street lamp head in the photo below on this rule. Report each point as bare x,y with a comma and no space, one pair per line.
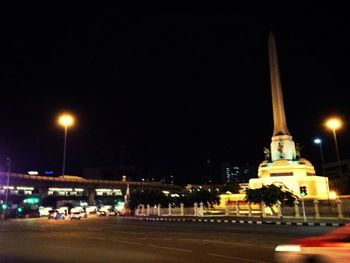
334,123
318,141
66,120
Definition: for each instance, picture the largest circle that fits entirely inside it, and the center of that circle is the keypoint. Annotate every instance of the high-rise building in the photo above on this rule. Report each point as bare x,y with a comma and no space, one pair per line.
233,172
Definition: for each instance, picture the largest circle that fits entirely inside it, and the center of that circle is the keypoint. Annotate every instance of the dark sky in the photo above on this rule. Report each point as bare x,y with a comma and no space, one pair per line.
166,90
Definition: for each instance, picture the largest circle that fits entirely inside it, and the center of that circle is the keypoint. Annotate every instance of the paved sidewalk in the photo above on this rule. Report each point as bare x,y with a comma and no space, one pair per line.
244,220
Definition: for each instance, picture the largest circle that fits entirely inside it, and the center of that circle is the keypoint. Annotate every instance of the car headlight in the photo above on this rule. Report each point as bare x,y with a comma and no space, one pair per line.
287,248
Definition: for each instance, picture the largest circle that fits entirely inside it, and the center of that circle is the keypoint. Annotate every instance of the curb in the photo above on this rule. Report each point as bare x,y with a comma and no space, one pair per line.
234,221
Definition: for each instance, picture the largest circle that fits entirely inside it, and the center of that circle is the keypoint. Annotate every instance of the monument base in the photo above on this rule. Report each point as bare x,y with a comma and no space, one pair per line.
293,174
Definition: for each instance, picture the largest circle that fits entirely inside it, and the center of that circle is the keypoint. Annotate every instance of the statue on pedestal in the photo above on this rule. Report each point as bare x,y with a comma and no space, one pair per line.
297,150
267,153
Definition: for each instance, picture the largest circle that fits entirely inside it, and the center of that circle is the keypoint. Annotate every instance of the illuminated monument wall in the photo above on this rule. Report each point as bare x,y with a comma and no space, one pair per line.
283,163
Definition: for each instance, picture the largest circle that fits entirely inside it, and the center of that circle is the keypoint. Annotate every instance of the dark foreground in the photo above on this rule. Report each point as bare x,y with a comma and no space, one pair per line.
110,239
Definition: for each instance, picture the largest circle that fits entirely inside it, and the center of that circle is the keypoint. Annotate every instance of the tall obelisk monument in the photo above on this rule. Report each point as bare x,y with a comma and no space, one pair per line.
283,164
282,145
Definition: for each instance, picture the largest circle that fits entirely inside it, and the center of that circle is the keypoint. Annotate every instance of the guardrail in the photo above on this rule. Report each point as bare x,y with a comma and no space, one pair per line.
311,209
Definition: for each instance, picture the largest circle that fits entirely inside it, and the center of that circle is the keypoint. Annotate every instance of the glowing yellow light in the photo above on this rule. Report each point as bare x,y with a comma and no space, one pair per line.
57,189
103,190
25,188
334,123
287,248
66,120
332,195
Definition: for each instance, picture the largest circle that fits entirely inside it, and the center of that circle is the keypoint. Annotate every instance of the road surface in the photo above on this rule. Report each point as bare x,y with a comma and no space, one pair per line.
112,239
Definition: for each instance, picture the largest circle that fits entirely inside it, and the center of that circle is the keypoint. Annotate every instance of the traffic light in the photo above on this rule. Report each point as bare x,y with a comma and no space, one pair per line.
19,209
4,206
303,190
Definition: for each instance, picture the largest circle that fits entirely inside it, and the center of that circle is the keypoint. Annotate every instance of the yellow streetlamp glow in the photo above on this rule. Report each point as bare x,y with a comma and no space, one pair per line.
334,123
66,120
332,195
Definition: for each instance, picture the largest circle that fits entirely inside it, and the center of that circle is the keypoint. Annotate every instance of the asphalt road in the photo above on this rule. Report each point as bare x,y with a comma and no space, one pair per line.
112,239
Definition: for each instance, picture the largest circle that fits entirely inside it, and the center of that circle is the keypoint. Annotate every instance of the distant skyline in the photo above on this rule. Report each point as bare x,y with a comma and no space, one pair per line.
166,91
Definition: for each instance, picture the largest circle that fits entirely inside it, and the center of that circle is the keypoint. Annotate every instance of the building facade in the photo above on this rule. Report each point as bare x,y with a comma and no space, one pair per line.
233,172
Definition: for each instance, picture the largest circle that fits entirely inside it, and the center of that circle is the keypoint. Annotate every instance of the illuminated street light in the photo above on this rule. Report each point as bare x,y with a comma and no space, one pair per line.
333,195
319,142
334,124
65,120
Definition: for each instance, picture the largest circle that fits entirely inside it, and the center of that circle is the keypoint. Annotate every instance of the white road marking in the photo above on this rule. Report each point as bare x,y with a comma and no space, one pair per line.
128,242
171,248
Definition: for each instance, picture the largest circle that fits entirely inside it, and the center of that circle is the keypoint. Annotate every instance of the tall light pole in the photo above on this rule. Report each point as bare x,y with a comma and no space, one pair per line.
319,142
334,124
65,120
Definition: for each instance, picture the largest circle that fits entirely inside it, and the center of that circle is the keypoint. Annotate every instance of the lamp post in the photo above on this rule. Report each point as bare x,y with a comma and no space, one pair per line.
65,120
319,142
334,124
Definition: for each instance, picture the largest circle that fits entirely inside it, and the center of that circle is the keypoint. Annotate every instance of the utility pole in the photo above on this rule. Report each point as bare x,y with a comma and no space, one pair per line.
303,206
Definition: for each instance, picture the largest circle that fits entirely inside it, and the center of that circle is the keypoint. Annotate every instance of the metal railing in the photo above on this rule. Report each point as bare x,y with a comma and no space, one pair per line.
312,209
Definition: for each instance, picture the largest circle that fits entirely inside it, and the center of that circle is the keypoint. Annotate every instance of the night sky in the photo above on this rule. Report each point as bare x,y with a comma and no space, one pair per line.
166,90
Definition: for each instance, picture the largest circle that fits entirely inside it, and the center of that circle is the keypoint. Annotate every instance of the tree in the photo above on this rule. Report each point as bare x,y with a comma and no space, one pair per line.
232,187
188,198
270,194
208,197
147,197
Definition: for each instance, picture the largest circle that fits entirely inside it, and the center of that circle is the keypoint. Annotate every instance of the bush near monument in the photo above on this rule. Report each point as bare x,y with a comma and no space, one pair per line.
147,197
270,195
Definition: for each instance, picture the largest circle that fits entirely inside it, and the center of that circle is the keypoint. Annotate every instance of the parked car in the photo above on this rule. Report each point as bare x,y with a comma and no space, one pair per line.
91,209
101,213
24,213
63,210
333,246
124,213
75,215
44,211
54,214
111,212
79,210
32,213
